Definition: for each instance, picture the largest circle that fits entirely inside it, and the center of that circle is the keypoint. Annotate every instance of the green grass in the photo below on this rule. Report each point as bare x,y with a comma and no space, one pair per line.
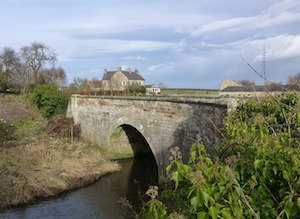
189,92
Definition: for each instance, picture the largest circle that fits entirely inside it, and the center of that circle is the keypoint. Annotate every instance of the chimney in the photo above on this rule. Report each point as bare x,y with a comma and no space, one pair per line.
136,71
119,68
105,71
129,69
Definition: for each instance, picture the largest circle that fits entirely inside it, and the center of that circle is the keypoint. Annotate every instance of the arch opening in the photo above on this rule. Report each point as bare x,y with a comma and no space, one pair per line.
144,169
127,142
139,144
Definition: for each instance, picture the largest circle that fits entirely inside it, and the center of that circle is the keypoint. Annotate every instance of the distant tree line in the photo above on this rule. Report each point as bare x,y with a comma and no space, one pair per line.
294,79
21,71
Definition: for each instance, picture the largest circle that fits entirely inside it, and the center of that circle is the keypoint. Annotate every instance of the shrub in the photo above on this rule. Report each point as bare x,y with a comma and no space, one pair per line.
7,132
50,100
257,172
137,90
60,126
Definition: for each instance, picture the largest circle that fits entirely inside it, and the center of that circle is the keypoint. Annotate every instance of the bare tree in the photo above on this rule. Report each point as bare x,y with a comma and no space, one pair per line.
35,57
27,68
9,62
247,83
162,85
79,85
8,59
23,78
294,79
95,86
52,76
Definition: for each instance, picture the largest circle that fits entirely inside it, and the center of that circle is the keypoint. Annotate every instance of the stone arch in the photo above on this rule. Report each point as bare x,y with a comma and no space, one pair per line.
137,142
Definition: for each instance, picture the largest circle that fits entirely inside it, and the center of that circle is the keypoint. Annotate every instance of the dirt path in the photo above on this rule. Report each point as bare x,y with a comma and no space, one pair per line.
12,112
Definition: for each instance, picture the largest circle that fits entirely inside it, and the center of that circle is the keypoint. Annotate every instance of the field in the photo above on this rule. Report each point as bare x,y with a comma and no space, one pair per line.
188,92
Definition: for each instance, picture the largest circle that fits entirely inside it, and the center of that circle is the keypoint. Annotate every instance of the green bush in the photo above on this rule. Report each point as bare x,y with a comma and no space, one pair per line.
257,172
137,90
49,100
7,132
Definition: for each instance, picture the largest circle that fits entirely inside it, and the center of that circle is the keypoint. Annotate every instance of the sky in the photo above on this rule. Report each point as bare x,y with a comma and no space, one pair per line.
182,44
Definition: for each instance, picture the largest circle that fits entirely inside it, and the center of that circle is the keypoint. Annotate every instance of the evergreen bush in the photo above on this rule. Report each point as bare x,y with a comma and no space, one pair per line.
50,100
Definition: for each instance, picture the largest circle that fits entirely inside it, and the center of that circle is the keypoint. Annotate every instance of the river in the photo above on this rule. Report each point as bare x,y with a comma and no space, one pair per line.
99,200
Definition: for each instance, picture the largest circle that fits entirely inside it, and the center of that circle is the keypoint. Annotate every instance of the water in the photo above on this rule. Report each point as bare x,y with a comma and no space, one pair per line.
99,200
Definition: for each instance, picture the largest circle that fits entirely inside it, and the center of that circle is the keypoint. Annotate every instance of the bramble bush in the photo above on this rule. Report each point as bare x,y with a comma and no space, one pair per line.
257,171
49,100
7,132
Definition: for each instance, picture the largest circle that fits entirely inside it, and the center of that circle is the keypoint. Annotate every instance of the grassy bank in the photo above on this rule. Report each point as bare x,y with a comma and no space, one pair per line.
48,167
36,165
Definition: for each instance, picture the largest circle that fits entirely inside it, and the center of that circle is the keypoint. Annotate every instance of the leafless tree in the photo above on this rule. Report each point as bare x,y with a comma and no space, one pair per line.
23,78
162,85
247,83
95,85
52,76
8,59
294,79
79,85
27,68
10,66
35,57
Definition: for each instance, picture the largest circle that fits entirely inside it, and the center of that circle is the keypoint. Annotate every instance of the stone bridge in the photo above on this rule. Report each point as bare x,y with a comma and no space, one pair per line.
151,123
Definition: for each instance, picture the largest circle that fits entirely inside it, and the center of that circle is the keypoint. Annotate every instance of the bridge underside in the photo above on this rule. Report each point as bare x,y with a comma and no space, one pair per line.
127,141
137,141
132,143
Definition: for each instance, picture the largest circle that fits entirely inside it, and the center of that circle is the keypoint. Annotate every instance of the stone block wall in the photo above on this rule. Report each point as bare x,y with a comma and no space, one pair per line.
163,122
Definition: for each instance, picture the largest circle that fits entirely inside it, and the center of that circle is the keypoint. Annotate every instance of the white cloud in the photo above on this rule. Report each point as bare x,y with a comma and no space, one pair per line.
162,67
135,58
226,25
116,46
282,47
285,46
278,14
283,5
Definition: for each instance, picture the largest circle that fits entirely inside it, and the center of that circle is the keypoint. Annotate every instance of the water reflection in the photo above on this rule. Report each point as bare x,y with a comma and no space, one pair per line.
99,200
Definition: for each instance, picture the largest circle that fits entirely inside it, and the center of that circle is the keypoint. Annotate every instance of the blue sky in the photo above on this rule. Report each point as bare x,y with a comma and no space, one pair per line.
183,44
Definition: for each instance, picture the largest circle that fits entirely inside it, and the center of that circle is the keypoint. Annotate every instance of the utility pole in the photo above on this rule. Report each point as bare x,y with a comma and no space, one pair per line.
263,65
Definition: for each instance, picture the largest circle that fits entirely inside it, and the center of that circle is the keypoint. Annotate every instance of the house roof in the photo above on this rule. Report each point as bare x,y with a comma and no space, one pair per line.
131,75
107,75
261,88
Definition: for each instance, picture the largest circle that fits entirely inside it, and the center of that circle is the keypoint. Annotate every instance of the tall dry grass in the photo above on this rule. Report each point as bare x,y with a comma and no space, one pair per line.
35,165
48,167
